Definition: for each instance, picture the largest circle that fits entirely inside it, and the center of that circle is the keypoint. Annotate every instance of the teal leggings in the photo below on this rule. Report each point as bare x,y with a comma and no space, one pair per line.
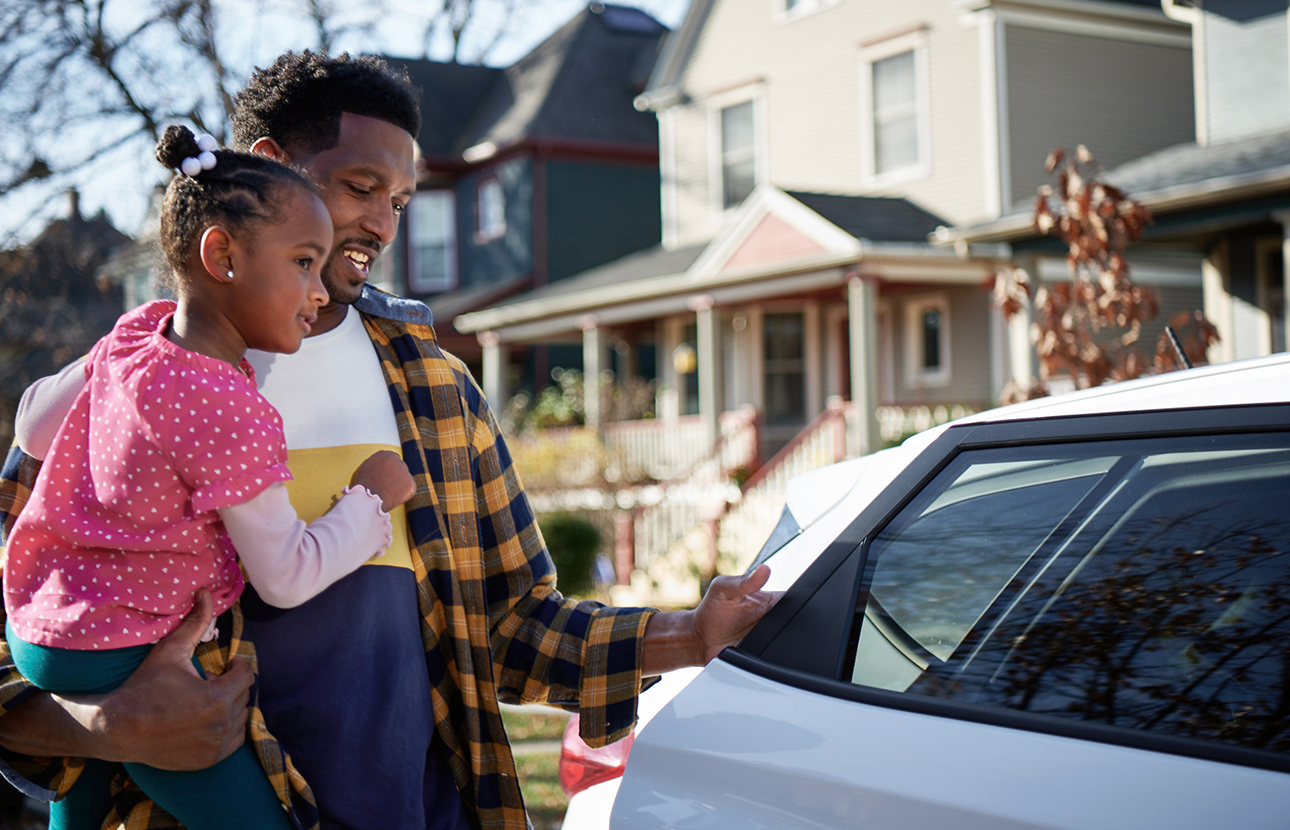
232,794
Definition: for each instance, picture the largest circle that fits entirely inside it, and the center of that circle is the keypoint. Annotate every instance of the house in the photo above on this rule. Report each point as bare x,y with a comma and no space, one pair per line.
820,108
807,147
529,173
1221,201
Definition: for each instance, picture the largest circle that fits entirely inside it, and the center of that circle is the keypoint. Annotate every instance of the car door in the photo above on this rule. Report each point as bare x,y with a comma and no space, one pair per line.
1072,623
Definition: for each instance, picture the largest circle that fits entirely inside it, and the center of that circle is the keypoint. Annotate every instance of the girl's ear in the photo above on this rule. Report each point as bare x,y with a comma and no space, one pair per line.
216,253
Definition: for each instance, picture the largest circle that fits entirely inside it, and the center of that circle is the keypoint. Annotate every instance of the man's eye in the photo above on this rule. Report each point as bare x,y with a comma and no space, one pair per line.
399,210
360,191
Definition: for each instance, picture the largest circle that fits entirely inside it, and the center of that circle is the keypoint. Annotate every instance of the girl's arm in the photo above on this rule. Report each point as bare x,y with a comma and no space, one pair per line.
43,407
289,562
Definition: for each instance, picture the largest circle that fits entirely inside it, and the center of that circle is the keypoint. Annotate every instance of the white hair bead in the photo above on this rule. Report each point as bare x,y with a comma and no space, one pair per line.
207,143
190,167
207,159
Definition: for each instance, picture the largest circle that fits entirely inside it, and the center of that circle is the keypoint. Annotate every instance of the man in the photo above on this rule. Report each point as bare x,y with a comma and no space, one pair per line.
385,688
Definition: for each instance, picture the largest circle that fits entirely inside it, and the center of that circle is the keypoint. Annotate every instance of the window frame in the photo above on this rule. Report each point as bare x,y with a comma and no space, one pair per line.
915,42
747,93
916,375
782,12
803,641
415,284
488,234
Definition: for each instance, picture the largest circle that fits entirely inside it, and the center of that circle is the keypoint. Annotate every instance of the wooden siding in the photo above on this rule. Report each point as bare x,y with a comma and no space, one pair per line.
499,260
1247,71
597,213
1122,100
970,349
808,71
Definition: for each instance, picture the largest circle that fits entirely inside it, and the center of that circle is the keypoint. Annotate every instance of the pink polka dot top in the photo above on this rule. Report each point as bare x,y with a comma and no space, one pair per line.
121,530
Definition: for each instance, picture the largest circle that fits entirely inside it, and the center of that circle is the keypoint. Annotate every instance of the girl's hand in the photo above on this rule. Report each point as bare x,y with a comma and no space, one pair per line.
385,474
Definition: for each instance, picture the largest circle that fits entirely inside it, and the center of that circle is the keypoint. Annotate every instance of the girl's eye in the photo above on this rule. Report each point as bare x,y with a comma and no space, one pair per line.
305,261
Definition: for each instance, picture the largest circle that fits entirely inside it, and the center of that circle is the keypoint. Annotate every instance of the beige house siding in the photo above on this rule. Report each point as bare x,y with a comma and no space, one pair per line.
1057,94
969,379
809,71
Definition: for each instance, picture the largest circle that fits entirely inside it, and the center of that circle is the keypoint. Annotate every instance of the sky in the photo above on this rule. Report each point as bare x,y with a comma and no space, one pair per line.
122,183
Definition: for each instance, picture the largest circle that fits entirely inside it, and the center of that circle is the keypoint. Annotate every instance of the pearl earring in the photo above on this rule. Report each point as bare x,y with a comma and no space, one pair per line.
230,273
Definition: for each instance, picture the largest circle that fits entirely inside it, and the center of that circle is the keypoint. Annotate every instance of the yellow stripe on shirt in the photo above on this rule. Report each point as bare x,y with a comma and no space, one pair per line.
320,475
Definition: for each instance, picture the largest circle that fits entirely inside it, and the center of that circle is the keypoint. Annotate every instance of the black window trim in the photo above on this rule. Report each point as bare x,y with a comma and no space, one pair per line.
821,673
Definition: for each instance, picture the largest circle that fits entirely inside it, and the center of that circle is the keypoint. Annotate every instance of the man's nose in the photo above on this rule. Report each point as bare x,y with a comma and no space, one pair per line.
381,223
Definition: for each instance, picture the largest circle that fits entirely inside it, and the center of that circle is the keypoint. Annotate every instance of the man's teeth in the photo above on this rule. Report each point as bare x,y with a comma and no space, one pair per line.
359,259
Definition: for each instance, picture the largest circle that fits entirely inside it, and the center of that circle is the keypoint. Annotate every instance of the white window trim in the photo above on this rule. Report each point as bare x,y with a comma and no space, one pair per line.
451,278
482,235
756,93
915,42
915,376
780,12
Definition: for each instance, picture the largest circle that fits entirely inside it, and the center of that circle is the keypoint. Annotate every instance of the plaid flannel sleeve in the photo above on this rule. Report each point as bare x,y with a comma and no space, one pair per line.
42,778
576,654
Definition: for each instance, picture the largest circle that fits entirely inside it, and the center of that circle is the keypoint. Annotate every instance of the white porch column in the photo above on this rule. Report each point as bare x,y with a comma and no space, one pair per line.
593,360
862,312
706,335
1284,219
1217,298
494,380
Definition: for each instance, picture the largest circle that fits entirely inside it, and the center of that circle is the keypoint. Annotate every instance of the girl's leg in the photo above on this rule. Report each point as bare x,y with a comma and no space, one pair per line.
234,793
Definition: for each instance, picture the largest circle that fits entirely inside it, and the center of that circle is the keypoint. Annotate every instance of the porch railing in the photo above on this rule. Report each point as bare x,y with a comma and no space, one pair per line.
745,526
671,450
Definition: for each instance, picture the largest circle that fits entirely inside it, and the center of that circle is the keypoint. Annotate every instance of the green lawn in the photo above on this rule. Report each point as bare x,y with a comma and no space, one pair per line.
539,772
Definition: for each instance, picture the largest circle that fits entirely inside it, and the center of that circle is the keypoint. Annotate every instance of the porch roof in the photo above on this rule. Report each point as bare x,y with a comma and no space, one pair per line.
1176,178
811,242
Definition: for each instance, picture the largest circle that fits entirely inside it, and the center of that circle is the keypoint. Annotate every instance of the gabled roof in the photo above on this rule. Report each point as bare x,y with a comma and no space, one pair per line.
1183,176
576,85
890,219
774,244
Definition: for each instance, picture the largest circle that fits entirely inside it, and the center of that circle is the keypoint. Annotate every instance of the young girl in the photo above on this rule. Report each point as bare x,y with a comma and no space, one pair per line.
170,461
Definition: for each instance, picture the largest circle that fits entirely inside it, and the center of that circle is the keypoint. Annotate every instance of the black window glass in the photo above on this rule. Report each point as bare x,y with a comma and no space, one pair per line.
1144,585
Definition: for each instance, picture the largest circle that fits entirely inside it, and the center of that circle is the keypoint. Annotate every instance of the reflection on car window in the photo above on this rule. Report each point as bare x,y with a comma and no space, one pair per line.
1152,595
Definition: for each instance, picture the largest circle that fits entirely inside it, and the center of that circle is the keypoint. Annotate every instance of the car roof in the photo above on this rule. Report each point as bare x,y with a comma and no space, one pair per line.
1258,380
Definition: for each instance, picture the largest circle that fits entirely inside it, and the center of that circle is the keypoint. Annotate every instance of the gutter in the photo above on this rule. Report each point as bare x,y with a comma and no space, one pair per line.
1178,197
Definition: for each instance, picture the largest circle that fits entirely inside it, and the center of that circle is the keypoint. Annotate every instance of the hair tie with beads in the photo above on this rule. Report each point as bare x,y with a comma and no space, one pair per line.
204,160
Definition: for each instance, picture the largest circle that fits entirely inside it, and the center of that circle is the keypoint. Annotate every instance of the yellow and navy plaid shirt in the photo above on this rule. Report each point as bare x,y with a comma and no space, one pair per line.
493,625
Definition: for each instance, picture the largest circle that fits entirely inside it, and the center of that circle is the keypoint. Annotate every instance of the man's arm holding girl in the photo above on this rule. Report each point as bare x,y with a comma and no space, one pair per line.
165,715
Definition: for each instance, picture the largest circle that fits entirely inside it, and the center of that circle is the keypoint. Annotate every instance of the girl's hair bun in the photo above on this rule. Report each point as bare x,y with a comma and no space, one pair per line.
177,144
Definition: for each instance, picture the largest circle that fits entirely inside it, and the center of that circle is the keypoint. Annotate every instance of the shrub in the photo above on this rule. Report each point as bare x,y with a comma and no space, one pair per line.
573,542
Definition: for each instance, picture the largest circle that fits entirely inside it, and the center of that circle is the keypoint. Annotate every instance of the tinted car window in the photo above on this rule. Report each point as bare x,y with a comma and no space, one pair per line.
1144,585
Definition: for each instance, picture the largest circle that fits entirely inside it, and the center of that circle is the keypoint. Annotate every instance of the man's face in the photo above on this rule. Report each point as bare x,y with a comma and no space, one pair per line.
366,180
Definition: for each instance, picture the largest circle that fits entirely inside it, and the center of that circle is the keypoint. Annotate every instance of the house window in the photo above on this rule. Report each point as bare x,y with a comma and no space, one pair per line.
894,84
784,360
927,341
432,255
490,210
738,154
793,9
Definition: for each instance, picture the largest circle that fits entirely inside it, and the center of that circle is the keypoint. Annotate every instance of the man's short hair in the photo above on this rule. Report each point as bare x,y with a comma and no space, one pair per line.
298,100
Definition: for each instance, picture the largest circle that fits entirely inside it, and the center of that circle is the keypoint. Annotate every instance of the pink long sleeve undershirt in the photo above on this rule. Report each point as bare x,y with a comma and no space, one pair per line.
290,562
286,560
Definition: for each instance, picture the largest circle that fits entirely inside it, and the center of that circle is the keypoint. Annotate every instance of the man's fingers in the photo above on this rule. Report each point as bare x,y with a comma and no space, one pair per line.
236,681
756,580
182,642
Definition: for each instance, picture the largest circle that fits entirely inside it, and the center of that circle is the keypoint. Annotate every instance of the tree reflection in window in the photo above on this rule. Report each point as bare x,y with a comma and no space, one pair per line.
1162,603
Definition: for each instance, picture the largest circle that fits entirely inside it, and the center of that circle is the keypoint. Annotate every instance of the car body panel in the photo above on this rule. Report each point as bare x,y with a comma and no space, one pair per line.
735,750
769,737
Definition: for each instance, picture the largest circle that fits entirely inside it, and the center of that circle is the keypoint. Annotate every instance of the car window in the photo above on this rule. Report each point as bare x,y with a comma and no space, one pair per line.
1141,584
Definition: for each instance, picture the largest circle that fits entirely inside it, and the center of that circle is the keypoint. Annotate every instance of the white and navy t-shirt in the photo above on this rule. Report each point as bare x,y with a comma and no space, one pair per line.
343,680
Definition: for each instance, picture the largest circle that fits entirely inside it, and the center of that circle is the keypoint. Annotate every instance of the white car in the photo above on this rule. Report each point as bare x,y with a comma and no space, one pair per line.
1069,613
